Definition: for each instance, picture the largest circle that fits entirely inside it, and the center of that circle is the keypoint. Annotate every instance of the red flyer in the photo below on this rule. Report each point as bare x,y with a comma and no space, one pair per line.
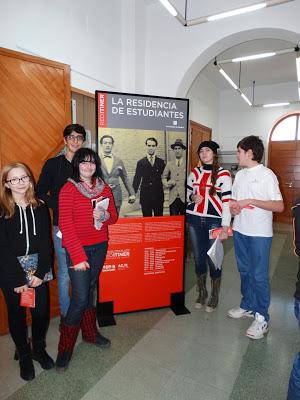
214,233
28,298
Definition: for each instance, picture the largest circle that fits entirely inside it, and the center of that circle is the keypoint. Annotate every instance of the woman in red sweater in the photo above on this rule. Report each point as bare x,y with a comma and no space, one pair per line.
83,224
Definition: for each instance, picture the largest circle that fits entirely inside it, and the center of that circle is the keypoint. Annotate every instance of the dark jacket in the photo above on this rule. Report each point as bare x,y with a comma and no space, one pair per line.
13,243
54,175
296,215
149,177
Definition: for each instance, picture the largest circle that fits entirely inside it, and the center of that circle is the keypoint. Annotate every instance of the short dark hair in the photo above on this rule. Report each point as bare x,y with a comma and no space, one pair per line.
108,137
151,138
74,128
255,144
85,154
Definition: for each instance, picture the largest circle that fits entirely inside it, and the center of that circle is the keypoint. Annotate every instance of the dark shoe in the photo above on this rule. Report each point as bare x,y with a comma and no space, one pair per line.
67,340
214,297
89,329
201,287
62,361
27,371
102,341
42,357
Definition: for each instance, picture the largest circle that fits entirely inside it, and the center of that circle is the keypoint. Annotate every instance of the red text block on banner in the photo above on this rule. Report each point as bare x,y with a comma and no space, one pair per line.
102,110
144,263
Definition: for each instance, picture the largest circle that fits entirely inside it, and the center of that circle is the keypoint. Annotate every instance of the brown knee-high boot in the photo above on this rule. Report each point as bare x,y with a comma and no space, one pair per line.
90,333
202,296
214,297
67,340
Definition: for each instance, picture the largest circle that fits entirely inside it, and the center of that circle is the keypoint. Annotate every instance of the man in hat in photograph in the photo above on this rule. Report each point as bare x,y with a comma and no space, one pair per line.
174,179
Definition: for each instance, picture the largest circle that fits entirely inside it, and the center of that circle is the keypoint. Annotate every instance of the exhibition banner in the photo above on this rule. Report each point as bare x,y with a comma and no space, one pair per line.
142,144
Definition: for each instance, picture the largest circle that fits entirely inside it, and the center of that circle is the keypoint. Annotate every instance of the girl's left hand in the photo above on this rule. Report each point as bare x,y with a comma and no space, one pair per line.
35,281
101,214
20,289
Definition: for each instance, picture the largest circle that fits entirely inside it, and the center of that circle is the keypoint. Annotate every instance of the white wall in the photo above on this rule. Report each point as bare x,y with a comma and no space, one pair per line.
84,34
204,104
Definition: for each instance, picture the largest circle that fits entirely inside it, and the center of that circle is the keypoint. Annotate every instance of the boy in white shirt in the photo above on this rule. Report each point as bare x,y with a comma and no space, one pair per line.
256,195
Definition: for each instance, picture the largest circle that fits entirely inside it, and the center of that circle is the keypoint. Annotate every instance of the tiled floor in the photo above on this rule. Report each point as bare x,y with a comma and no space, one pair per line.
159,356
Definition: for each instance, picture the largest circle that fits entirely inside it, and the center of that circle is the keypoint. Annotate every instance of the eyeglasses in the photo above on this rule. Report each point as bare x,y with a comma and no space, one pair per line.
85,162
16,181
72,138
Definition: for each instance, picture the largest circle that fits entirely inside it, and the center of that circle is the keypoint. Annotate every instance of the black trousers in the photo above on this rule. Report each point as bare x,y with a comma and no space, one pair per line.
177,207
17,315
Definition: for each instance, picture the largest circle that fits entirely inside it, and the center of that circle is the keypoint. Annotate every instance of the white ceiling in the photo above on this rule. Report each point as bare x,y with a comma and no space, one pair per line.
273,70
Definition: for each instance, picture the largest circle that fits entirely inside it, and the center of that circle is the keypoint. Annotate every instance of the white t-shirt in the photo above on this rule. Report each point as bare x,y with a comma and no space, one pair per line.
258,183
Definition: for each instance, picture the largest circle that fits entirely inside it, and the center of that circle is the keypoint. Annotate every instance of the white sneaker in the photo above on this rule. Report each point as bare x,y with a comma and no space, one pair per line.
258,327
238,312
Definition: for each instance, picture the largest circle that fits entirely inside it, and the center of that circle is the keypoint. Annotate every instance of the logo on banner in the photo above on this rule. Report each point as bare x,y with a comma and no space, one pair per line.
102,110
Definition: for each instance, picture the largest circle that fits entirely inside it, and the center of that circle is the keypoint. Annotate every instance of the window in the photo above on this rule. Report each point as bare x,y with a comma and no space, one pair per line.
287,129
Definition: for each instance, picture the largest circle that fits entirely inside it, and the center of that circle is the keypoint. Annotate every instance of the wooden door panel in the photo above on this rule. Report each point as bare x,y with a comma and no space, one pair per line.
198,133
34,109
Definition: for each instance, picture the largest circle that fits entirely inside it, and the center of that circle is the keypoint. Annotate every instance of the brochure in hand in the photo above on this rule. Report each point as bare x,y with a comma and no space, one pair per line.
100,203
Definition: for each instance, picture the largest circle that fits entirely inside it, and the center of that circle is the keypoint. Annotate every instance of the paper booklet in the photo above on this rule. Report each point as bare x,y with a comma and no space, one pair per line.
100,203
214,233
216,253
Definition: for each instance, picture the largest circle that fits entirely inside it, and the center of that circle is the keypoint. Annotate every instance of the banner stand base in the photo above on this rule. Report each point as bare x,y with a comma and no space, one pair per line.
105,314
177,304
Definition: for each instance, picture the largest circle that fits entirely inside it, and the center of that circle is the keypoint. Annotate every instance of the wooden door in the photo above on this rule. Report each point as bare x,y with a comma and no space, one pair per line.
34,109
198,133
284,160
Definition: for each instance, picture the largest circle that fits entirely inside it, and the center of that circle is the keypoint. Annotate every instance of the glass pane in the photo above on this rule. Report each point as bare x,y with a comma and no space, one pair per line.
298,133
286,129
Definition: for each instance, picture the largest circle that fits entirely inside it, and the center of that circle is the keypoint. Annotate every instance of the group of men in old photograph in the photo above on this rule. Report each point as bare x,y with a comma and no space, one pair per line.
152,176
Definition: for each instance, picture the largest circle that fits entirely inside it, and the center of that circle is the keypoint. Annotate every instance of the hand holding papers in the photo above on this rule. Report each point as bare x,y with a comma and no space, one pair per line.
100,204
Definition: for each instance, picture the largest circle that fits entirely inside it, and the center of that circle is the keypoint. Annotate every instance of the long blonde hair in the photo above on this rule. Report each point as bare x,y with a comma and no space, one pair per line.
7,202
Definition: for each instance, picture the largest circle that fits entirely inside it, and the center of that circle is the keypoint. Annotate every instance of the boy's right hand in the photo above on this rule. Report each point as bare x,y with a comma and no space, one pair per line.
234,207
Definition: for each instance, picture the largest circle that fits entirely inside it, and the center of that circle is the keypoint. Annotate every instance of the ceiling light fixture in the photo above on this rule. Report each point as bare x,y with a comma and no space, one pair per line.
172,10
246,99
227,13
227,77
254,57
276,104
237,11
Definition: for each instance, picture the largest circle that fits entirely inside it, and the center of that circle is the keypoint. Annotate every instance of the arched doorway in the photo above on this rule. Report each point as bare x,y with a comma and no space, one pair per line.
284,159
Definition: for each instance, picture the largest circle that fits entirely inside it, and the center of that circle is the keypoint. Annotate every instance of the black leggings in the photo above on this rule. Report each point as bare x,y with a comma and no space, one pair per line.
17,315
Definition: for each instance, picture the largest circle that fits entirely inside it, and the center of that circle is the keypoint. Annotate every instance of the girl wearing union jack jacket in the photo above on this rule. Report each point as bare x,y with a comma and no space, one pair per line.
208,195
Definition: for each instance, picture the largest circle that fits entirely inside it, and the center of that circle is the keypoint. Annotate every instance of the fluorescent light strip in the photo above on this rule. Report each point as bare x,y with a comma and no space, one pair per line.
236,12
276,105
228,78
254,57
246,99
298,68
169,7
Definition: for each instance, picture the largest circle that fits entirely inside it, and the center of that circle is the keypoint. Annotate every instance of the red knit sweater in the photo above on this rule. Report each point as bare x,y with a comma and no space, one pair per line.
76,221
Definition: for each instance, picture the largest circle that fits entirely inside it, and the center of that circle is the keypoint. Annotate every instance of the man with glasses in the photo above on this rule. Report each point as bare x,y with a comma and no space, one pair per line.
54,175
113,169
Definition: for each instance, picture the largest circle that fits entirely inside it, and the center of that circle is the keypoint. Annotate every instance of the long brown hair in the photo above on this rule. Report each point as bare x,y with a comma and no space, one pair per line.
214,174
7,202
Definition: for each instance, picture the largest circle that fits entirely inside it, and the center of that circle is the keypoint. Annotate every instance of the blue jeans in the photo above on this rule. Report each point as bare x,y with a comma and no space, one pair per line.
62,274
294,384
198,228
84,283
252,256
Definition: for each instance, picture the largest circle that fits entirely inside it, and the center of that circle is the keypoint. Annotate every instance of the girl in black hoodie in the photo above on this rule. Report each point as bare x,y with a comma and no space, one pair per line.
24,229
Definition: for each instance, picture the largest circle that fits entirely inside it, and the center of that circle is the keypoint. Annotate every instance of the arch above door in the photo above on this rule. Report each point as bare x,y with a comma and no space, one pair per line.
284,159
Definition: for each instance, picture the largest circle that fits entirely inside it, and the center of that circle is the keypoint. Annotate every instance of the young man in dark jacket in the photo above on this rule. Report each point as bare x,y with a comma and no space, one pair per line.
54,175
294,384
